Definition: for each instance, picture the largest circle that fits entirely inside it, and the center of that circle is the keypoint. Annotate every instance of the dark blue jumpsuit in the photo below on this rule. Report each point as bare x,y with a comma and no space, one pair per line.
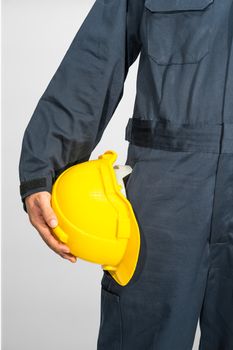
180,138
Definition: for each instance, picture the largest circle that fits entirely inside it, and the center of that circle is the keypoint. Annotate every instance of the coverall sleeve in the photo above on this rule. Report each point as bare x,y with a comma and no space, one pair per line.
82,95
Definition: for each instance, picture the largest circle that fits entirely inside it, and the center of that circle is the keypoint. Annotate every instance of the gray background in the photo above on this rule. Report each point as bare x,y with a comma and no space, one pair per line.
48,302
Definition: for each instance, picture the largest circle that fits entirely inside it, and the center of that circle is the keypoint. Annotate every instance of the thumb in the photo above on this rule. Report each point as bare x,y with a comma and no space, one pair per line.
48,212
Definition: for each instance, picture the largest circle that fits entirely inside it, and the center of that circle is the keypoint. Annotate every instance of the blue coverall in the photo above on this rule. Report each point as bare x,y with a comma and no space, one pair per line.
180,147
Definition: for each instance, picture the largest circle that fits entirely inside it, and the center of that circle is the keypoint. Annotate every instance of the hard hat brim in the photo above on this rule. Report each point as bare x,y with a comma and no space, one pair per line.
126,268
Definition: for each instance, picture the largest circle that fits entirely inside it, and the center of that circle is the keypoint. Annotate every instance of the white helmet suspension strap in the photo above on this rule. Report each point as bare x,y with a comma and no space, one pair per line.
121,171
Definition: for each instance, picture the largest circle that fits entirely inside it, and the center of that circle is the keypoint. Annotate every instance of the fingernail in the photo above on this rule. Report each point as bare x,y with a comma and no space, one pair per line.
53,223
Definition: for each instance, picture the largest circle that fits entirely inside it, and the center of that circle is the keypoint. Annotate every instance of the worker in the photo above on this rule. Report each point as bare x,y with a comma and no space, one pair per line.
180,148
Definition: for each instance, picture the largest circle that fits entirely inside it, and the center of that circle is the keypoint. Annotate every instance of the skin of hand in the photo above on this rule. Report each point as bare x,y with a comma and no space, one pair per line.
43,218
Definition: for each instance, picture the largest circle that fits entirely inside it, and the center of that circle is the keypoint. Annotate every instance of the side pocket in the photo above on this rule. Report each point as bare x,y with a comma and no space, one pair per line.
110,329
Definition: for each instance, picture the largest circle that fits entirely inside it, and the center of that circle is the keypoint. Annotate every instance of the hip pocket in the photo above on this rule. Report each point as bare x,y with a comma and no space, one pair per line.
178,32
110,330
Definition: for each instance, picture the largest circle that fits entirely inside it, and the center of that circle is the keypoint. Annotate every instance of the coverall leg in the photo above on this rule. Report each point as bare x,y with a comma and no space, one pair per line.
183,204
216,319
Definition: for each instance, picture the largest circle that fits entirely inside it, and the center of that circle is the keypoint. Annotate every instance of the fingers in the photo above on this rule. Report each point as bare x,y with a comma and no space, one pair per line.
47,211
69,257
52,242
43,218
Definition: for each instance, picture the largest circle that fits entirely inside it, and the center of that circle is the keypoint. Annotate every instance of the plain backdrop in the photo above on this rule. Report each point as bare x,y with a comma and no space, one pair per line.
47,302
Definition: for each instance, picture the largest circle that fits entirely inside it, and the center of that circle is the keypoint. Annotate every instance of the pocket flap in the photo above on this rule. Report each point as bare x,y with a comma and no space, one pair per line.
176,5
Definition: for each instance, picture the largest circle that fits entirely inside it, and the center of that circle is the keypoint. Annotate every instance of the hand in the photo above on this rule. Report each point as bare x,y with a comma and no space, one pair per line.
43,218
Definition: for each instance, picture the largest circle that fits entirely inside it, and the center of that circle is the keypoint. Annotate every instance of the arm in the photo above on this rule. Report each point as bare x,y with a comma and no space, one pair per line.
80,99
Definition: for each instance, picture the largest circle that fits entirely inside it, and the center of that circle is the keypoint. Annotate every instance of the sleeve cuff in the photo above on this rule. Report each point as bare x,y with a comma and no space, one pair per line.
35,185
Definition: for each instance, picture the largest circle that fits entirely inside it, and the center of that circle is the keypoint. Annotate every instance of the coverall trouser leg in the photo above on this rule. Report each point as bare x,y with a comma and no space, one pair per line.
216,318
183,204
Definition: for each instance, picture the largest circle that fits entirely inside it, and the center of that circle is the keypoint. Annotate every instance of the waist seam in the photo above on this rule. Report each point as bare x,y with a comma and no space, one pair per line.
211,138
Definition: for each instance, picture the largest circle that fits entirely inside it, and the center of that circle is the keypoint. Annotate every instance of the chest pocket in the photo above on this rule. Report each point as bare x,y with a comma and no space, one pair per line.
178,31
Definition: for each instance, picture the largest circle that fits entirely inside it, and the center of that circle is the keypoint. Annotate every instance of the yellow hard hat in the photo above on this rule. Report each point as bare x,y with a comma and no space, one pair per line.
95,219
